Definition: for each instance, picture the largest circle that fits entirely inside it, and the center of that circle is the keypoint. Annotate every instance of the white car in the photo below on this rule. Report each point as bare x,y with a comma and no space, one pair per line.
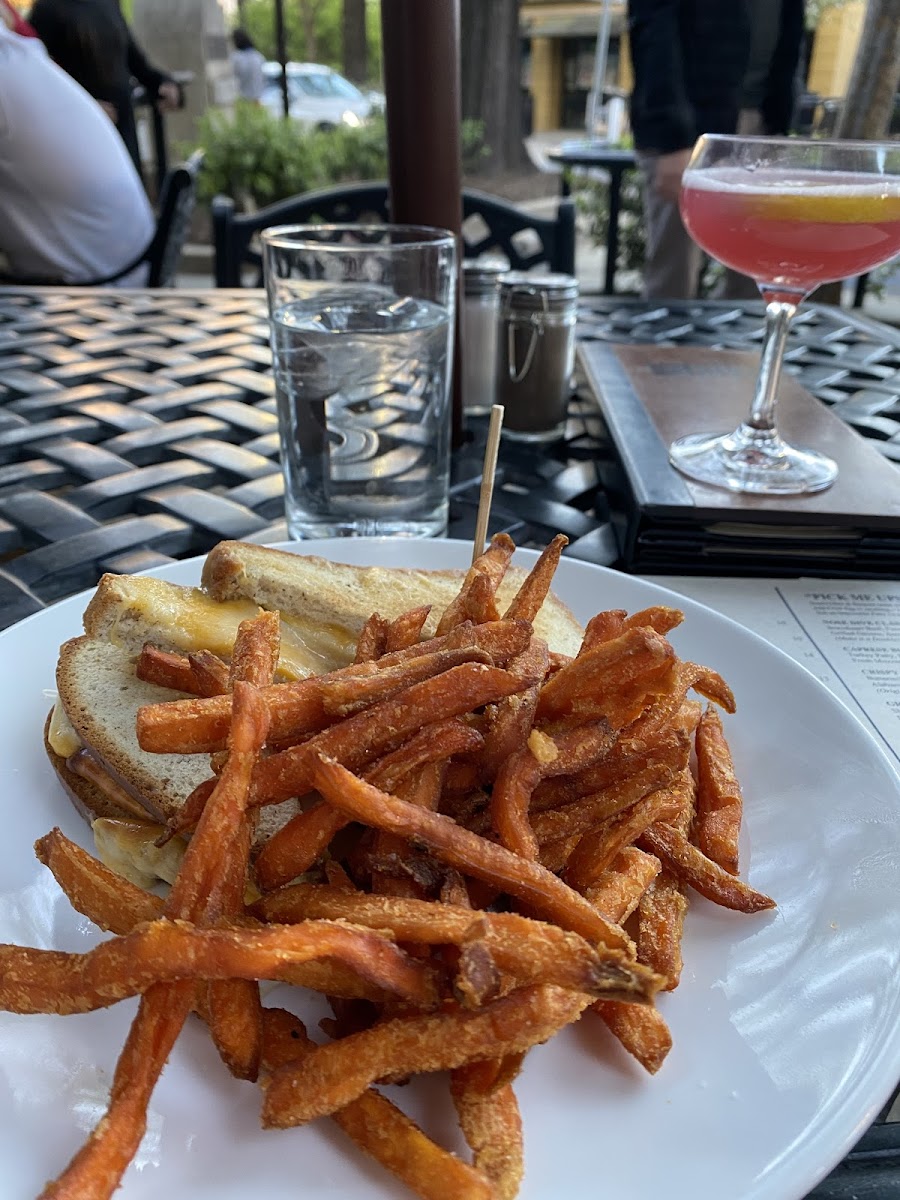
318,96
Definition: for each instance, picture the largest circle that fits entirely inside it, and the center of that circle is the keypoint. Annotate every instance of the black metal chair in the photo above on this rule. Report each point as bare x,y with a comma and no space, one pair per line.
177,200
489,224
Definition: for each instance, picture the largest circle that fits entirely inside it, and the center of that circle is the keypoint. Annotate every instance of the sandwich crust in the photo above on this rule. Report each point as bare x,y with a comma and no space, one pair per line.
338,594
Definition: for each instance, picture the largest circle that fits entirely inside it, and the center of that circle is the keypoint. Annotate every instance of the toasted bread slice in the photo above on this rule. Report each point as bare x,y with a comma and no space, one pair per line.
129,610
101,694
337,598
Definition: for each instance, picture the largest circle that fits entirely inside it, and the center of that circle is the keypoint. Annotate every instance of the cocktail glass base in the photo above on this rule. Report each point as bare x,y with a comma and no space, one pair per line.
752,460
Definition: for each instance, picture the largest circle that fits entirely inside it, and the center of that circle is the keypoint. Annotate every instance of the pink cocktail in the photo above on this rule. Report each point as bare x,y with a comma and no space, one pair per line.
792,214
795,231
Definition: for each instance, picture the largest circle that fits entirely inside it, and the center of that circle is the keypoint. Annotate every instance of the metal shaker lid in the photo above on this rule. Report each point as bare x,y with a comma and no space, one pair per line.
482,275
522,291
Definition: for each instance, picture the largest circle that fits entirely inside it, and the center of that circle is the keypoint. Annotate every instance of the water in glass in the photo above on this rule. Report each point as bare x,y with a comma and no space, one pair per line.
362,383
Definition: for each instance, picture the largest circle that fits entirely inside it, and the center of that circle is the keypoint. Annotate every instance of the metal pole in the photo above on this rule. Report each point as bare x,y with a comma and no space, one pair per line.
598,83
281,51
420,45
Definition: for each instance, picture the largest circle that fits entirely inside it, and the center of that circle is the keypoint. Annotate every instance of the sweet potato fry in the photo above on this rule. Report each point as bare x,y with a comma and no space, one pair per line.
603,627
481,583
311,834
333,1075
200,725
706,877
527,881
379,1128
257,648
542,757
620,887
423,789
166,950
661,914
502,640
93,889
406,630
624,760
526,604
210,674
719,800
510,721
432,743
597,849
118,906
492,1125
96,1169
346,695
584,814
233,1006
595,683
530,951
659,617
165,669
372,640
642,1031
361,738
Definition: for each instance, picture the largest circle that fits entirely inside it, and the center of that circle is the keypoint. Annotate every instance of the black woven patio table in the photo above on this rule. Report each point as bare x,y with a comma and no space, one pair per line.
139,427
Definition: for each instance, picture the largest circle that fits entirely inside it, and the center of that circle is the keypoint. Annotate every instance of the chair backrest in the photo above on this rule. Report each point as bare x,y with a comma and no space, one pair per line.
177,199
488,224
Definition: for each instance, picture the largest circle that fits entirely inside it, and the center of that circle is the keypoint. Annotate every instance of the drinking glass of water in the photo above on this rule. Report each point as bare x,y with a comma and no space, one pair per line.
361,322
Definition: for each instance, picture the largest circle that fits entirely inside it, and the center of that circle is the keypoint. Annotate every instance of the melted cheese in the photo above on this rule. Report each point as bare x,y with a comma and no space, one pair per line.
61,735
129,849
194,621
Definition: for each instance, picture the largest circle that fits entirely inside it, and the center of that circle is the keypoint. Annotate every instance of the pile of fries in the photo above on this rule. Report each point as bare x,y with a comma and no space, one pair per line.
494,840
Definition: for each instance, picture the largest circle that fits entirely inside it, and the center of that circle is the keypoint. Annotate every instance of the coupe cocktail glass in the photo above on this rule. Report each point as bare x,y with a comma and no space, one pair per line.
792,214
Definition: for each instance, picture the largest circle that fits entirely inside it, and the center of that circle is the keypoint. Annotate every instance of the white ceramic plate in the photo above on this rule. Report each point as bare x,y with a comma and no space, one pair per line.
786,1025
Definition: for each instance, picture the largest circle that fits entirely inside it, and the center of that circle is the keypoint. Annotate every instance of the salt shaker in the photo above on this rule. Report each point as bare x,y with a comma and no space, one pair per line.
481,304
535,353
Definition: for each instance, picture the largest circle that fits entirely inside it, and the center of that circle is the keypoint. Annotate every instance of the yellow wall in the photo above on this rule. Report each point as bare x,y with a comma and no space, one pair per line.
546,83
626,75
834,48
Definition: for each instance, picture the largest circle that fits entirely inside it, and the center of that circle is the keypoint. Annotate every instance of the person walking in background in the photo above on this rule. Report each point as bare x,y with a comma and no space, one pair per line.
702,66
72,206
247,63
91,41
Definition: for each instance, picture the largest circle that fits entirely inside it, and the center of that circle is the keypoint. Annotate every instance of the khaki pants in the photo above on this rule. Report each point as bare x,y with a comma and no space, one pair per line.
673,261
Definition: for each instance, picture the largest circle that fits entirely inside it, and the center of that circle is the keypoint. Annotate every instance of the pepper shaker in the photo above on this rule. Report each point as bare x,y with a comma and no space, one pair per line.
535,353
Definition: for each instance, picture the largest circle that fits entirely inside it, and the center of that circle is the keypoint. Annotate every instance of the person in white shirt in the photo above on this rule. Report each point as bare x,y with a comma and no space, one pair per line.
247,63
72,206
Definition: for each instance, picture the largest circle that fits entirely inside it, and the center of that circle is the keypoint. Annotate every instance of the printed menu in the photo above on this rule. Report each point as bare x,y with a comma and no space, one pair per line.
847,633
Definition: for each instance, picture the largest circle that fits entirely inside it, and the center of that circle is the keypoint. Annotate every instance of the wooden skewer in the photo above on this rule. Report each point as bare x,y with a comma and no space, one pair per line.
487,479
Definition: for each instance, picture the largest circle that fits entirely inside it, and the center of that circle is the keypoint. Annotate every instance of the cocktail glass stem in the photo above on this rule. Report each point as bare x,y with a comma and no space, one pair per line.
779,314
755,458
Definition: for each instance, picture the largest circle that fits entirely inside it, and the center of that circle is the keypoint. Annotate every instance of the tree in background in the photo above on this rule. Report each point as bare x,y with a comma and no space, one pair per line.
315,32
869,103
356,47
491,79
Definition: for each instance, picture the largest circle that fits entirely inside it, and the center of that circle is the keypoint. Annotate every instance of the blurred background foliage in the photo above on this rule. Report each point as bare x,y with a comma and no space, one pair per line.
257,158
313,31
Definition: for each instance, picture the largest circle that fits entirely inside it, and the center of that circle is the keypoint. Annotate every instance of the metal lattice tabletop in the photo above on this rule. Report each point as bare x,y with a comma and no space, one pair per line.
846,360
137,427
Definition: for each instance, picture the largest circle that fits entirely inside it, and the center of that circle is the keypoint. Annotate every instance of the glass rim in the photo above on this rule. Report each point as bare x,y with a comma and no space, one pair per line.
827,143
303,237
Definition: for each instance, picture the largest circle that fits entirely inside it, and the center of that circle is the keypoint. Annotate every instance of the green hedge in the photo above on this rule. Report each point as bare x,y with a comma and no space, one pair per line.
258,159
